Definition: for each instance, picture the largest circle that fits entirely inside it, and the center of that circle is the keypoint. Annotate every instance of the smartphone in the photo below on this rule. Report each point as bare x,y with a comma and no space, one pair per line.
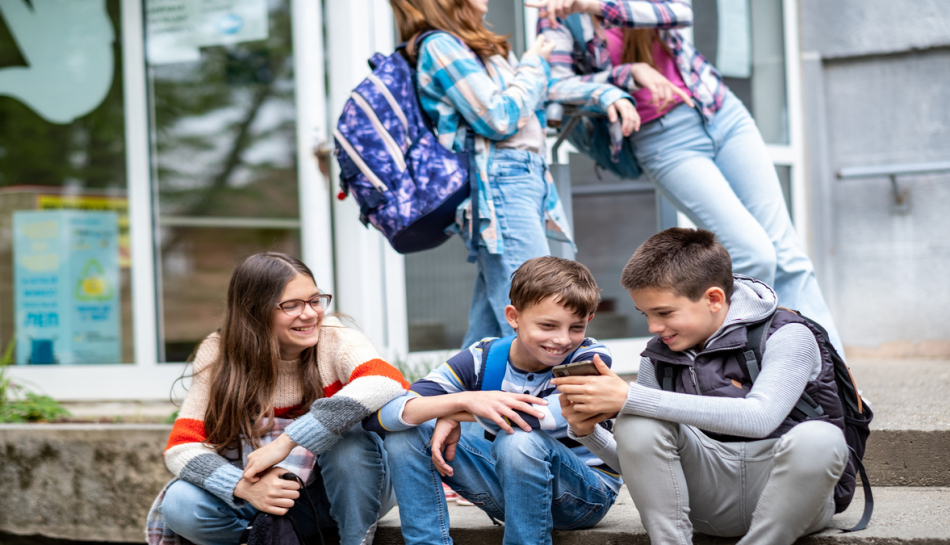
576,369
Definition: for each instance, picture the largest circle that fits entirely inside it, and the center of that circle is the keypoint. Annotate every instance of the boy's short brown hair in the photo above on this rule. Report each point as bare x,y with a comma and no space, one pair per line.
572,284
685,261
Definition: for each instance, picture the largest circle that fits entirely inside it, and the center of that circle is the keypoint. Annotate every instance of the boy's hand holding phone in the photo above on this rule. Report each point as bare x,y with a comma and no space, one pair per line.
581,423
604,393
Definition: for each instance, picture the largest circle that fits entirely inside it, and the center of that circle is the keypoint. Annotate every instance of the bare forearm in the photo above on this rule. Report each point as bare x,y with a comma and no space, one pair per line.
423,409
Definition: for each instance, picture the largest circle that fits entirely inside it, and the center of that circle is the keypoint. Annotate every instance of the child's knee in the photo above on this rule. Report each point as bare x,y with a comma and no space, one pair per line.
407,441
814,448
355,444
513,451
640,434
181,504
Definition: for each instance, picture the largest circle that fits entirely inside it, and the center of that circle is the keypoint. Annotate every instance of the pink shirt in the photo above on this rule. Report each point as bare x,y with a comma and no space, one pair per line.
664,63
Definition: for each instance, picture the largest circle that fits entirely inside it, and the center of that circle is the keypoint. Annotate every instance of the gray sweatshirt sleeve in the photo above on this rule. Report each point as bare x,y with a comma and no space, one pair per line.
791,357
602,443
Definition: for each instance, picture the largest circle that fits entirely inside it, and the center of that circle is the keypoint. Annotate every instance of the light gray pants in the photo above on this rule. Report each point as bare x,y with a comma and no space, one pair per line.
772,491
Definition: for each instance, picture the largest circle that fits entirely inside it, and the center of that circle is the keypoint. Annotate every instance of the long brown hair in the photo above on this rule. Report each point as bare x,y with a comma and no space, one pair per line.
453,16
638,45
244,376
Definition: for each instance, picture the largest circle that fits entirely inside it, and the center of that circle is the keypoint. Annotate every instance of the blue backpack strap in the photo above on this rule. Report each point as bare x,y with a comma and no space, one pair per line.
573,23
495,363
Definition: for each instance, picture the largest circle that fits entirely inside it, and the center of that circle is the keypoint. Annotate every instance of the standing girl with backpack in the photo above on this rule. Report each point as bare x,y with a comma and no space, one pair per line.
278,374
697,142
470,86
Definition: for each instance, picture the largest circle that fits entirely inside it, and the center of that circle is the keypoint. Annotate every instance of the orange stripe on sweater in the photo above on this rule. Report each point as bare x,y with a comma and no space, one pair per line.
186,430
189,430
374,367
328,391
379,368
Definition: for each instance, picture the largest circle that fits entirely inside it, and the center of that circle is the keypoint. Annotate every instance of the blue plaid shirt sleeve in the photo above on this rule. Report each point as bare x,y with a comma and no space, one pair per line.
663,14
449,69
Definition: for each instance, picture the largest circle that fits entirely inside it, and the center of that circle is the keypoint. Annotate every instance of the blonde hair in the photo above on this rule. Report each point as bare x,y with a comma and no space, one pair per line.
456,17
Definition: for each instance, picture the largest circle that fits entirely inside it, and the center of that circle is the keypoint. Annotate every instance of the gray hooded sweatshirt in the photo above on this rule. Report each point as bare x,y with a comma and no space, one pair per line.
791,358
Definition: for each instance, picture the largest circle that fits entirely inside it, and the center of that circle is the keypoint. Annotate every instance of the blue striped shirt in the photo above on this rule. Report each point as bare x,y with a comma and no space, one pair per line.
463,373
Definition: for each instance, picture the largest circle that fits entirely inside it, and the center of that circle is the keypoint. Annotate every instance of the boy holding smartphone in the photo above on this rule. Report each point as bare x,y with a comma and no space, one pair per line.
525,471
707,440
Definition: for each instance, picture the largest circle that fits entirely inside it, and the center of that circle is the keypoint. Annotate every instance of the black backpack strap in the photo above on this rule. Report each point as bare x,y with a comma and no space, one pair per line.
868,498
755,347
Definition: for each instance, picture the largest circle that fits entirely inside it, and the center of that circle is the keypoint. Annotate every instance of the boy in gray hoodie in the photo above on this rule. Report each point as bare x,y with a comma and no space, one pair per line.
700,445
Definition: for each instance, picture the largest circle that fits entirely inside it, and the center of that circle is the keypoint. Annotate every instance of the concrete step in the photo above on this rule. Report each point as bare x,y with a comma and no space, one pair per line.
902,515
910,435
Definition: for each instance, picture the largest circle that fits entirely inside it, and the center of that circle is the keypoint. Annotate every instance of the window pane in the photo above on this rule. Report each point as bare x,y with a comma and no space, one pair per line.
785,178
224,120
764,92
64,243
438,295
225,153
196,269
615,224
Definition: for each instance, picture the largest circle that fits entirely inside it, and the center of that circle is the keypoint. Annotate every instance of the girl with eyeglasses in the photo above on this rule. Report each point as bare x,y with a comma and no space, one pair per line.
280,383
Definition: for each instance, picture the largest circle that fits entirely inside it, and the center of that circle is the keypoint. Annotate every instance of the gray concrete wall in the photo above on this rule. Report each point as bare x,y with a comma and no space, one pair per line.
876,88
80,482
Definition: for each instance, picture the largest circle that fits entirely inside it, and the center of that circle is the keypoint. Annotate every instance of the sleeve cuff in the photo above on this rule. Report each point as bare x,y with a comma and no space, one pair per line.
309,433
599,439
222,483
611,95
642,401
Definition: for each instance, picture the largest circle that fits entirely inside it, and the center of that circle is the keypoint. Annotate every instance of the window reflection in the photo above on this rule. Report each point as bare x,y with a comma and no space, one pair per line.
65,294
224,154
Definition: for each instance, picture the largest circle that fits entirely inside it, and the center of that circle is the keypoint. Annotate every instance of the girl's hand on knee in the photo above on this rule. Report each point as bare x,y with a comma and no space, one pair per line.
445,439
267,456
269,493
604,393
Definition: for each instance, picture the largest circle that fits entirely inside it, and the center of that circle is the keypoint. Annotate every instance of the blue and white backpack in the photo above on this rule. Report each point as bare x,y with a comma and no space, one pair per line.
406,183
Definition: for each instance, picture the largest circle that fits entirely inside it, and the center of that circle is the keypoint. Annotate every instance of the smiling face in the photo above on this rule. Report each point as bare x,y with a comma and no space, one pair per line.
296,333
678,321
547,334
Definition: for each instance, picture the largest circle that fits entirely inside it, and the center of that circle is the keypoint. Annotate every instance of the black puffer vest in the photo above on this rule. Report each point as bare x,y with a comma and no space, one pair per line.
719,371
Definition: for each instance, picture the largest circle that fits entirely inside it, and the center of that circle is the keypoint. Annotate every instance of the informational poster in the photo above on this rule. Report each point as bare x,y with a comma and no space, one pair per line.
66,287
176,30
93,203
734,44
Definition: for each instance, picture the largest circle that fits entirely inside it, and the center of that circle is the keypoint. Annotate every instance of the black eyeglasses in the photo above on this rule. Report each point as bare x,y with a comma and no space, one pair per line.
294,307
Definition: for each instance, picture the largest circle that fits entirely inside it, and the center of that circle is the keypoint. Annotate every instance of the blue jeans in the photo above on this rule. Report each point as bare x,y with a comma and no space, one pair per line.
529,480
351,492
719,175
518,188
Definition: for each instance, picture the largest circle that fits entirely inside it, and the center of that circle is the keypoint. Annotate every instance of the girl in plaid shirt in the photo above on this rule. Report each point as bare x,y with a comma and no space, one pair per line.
698,143
469,84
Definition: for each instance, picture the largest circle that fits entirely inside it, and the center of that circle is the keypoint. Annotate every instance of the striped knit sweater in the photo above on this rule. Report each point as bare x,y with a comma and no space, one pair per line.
357,382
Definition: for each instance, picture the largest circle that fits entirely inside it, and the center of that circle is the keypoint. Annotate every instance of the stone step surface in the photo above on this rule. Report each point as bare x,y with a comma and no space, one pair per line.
910,439
902,515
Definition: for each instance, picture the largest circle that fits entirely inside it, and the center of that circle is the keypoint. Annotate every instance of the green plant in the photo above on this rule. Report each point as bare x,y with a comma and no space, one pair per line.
414,370
19,405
